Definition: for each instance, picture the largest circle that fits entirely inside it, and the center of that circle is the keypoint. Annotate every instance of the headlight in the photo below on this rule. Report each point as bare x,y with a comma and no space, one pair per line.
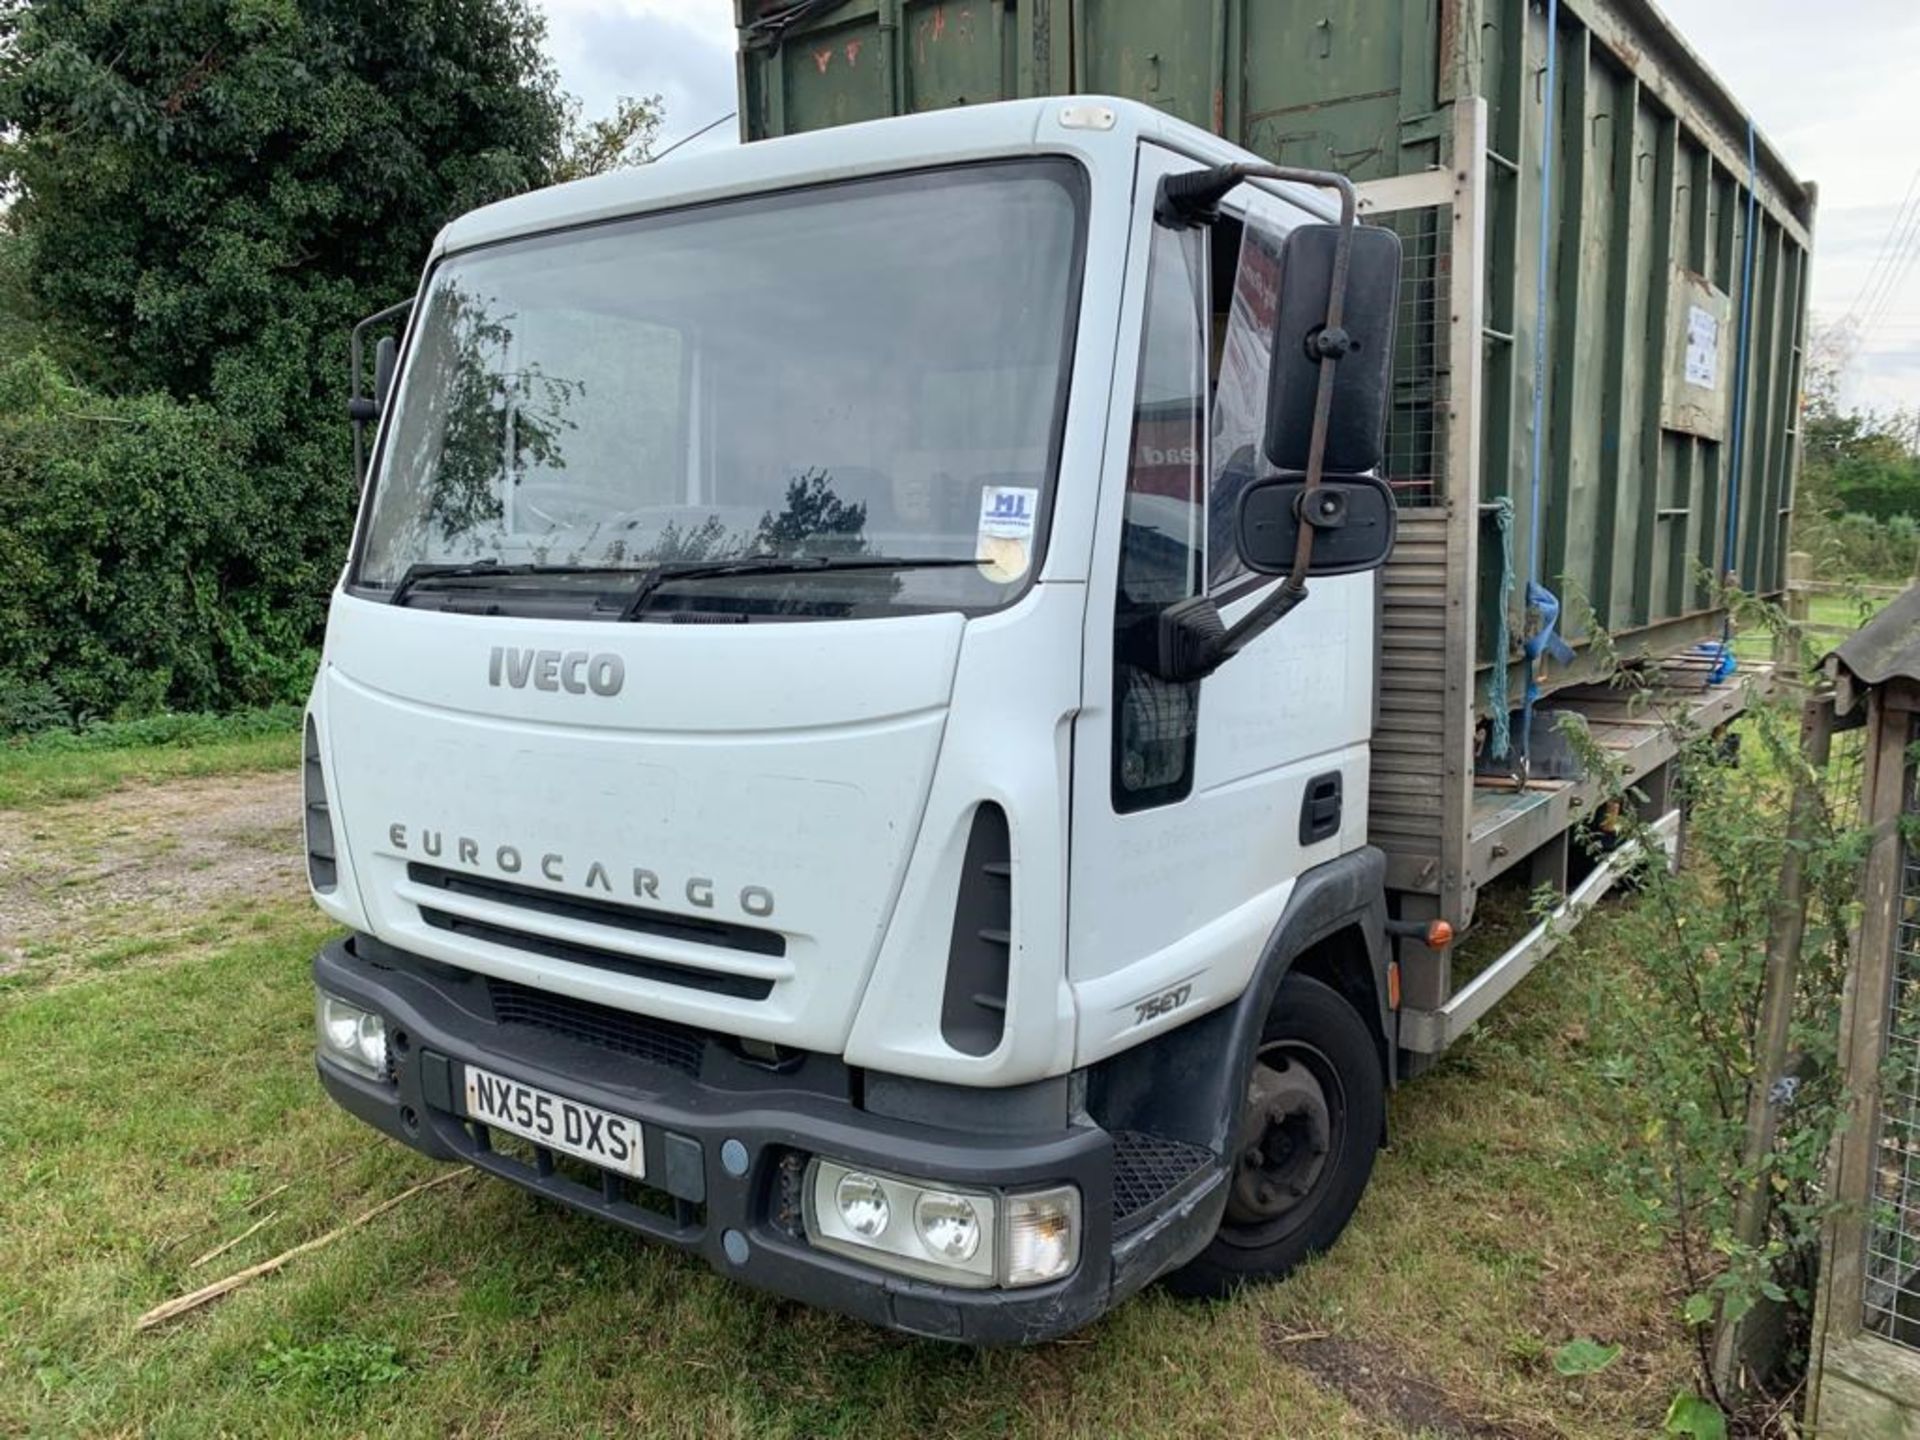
862,1203
352,1038
973,1238
949,1225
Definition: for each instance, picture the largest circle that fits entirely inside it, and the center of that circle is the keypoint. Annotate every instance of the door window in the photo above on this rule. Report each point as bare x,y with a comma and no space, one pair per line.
1240,400
1163,534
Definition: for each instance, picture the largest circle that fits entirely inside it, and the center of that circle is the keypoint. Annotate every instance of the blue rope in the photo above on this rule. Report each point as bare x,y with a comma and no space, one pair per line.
1730,570
1499,724
1740,370
1535,589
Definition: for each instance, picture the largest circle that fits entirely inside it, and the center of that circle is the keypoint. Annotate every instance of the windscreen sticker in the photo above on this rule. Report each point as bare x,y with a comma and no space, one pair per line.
1006,529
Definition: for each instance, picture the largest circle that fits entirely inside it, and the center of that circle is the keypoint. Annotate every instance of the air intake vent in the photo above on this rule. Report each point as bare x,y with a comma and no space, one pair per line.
973,1013
659,1042
323,871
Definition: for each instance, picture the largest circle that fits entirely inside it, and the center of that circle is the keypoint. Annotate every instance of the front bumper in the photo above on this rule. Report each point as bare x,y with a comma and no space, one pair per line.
739,1205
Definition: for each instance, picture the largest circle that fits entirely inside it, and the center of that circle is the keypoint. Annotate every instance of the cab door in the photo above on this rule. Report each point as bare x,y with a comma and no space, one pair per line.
1191,801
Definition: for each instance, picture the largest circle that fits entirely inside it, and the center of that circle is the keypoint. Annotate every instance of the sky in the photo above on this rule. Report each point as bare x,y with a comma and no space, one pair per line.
1835,85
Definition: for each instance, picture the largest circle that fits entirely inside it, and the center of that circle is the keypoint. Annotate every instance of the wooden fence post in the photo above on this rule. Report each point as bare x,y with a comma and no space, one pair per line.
1799,606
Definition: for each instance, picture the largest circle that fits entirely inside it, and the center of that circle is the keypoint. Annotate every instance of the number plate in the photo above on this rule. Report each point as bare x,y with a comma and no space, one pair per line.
604,1139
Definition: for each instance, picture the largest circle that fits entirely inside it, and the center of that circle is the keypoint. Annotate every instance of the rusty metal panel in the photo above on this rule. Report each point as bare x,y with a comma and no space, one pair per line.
1161,54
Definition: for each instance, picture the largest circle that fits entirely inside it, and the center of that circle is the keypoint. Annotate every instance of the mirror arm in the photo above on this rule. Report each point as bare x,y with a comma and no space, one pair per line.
363,410
1194,199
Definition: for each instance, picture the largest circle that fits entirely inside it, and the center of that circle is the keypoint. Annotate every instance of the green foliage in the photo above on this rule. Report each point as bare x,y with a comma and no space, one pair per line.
231,183
151,731
1857,503
130,576
1676,1028
1584,1357
331,1372
1862,463
60,765
204,197
1690,1415
1859,547
623,138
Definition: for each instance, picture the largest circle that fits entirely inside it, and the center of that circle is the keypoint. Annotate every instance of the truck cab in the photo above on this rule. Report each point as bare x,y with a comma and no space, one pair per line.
752,755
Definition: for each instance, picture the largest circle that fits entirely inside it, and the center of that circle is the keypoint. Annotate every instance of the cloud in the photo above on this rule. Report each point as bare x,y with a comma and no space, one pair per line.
1832,87
680,50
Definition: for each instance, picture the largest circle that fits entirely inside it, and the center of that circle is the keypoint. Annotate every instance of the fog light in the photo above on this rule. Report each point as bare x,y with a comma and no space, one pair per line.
949,1225
353,1038
1043,1235
862,1202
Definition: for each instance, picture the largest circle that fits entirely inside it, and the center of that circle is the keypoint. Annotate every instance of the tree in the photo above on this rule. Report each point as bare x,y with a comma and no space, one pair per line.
206,194
624,138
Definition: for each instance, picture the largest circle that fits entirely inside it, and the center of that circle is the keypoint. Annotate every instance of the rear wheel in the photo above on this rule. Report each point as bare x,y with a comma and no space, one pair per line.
1309,1128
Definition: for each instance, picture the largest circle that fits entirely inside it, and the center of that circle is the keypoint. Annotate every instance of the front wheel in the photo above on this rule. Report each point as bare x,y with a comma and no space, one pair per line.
1309,1127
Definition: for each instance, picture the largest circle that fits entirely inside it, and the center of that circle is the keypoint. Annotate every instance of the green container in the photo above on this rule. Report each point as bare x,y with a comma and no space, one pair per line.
1439,108
1634,474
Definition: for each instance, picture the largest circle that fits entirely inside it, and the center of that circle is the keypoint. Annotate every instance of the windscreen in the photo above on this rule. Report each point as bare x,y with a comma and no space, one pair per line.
870,371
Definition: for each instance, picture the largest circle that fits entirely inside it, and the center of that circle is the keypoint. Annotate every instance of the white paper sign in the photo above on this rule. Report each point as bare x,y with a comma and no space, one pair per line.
1703,348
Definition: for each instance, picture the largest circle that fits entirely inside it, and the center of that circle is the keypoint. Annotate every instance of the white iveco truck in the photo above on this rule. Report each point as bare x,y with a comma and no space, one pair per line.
843,740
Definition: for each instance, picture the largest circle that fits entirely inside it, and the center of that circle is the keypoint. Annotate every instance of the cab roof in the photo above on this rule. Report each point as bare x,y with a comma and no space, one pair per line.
1049,125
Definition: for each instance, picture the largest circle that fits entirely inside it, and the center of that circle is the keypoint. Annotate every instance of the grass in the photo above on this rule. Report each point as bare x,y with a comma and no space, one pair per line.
49,768
155,1111
1830,618
160,1102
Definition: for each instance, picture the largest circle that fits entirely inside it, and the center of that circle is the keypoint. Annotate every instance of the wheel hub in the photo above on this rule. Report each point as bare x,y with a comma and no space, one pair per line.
1285,1136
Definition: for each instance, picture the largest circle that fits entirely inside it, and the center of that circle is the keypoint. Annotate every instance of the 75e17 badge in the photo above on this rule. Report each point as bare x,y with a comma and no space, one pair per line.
1167,1001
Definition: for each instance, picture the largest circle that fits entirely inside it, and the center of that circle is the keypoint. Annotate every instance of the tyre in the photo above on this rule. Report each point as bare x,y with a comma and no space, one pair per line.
1309,1129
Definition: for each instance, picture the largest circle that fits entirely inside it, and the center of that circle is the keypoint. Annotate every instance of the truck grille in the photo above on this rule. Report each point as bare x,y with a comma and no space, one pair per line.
599,912
718,933
660,1042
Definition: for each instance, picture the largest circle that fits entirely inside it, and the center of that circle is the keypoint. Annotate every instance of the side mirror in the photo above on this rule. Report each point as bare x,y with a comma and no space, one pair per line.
1357,425
1353,518
386,353
364,410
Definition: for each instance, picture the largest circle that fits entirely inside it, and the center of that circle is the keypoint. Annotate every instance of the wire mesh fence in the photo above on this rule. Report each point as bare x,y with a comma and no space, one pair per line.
1891,1295
1416,449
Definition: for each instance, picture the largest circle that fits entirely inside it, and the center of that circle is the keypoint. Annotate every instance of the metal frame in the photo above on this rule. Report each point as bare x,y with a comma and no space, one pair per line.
1461,189
1431,1031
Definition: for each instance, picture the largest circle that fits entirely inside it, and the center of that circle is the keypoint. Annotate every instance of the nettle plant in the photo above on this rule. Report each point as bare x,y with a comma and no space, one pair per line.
1676,1007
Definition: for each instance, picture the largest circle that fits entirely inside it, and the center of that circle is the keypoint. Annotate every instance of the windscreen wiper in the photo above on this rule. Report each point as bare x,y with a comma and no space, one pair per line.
492,569
776,565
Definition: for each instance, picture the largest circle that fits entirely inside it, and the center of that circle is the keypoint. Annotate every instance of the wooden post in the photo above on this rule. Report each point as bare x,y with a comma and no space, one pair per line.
1787,655
1786,928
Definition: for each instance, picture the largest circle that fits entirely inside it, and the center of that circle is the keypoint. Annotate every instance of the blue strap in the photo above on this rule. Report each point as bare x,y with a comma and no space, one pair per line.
1543,636
1724,661
1499,726
1544,640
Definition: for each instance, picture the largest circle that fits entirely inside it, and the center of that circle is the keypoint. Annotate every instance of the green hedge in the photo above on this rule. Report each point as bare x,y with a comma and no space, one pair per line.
1859,547
142,566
